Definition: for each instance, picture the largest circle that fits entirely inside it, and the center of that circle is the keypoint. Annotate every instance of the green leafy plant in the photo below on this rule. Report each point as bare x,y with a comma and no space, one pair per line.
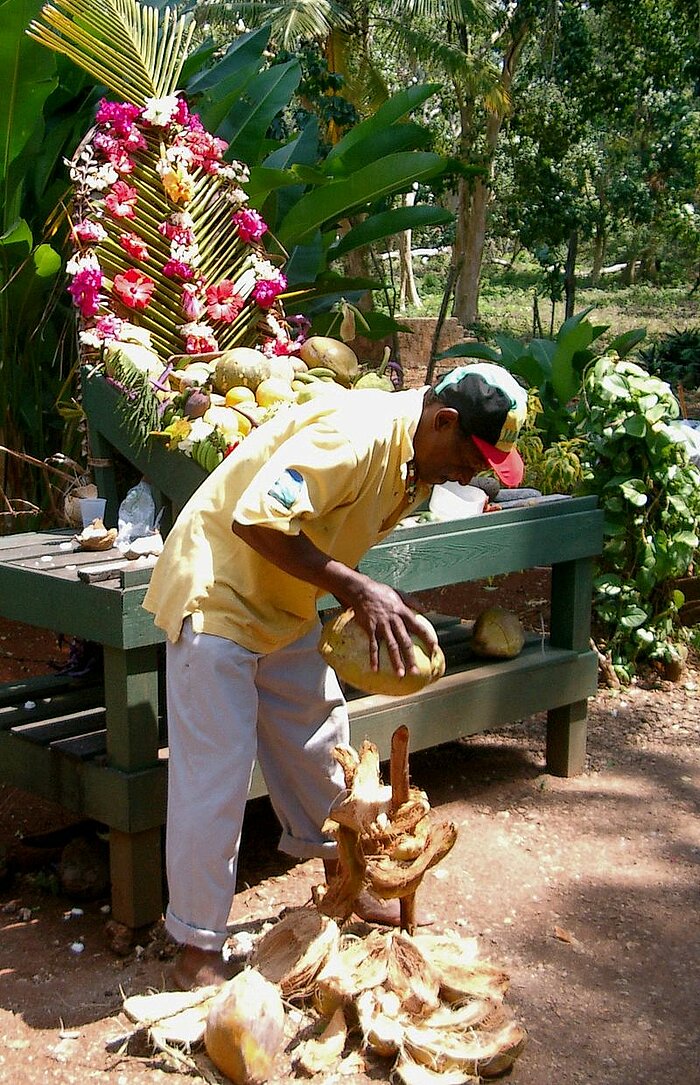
637,465
675,358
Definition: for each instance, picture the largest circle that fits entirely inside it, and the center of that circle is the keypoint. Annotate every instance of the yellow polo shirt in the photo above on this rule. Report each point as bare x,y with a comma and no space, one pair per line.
334,468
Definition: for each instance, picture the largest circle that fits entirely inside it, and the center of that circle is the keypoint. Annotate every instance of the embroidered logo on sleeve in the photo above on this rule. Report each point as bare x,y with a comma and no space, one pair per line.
288,488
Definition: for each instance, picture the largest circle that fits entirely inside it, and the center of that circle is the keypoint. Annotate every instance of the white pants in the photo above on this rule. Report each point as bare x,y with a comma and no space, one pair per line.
226,707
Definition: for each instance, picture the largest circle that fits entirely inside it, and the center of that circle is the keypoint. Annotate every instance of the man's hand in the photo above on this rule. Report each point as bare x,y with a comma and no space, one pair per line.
386,616
382,612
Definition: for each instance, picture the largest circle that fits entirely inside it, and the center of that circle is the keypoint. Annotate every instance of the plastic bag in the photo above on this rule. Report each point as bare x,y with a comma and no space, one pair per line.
137,515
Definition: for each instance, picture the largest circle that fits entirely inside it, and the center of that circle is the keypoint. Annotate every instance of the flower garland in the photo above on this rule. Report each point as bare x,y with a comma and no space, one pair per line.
138,278
106,198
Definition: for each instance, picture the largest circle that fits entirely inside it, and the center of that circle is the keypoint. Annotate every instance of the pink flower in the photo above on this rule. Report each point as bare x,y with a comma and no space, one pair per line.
85,290
109,328
174,230
250,225
223,303
193,304
206,150
121,201
119,116
266,290
134,245
89,232
133,288
178,269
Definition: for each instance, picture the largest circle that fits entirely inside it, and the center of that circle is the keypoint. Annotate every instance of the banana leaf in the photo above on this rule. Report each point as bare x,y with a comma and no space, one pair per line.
323,206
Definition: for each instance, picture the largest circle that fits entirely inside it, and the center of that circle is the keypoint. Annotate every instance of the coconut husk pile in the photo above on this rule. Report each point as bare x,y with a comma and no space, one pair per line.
426,1002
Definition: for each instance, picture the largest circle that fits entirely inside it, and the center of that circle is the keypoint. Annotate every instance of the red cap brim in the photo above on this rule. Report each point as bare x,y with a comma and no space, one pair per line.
508,465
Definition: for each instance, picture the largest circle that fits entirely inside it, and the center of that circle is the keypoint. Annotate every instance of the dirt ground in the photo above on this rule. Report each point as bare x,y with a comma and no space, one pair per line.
584,890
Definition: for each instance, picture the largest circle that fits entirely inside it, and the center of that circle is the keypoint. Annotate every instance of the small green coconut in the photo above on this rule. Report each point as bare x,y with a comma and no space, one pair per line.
345,647
497,634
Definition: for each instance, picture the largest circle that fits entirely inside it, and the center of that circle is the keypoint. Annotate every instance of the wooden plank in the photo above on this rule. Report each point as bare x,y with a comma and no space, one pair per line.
49,731
131,697
44,686
82,747
480,696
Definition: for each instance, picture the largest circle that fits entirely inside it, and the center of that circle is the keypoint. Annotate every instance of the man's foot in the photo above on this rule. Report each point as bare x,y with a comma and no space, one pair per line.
196,967
385,913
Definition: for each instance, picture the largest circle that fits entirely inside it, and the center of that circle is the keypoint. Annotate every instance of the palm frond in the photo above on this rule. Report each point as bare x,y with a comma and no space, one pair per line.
292,21
130,48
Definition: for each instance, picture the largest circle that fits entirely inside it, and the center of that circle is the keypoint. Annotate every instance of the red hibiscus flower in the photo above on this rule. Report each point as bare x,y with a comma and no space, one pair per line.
121,201
223,303
134,245
133,288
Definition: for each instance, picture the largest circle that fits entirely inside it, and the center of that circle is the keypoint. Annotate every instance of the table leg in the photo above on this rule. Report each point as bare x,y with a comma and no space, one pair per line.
131,700
136,867
566,739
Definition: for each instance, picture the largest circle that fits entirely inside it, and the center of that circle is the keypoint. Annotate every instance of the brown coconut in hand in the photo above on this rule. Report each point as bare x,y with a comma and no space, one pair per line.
344,645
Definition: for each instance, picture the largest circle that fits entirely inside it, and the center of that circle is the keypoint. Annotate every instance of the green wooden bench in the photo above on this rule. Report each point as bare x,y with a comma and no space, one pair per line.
99,748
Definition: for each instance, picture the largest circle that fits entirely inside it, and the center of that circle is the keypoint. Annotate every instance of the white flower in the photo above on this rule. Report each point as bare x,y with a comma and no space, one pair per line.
160,111
196,328
187,254
689,209
85,261
90,339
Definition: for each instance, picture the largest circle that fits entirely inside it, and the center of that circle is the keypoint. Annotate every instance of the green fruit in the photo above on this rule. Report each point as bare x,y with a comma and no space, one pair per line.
374,380
497,634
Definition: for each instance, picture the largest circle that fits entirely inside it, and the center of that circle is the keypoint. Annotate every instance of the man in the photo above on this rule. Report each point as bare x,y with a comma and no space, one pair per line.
283,520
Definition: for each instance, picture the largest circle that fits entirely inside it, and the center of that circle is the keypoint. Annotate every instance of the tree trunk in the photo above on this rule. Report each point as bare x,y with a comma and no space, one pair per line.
570,275
408,292
599,246
474,195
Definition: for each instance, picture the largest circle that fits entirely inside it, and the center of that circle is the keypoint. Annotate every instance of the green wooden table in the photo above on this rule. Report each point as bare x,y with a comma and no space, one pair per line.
99,748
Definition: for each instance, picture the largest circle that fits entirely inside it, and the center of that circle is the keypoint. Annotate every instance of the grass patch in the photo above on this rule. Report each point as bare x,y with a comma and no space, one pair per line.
506,303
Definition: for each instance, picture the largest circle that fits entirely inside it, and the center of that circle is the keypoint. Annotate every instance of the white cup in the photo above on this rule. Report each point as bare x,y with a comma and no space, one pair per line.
92,508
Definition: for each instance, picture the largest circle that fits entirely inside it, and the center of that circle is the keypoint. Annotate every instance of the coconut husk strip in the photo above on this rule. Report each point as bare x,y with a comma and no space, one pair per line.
480,1053
358,965
386,878
339,897
348,759
382,1032
462,975
294,951
411,976
411,1072
475,1014
368,796
172,1016
319,1054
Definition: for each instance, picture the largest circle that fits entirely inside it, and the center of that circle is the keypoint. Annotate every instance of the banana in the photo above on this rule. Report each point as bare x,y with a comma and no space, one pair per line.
322,372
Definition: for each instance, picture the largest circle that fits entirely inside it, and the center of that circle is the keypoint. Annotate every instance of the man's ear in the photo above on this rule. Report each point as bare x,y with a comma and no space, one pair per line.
445,418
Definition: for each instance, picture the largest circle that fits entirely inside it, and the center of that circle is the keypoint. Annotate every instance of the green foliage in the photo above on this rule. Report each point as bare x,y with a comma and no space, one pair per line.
675,358
649,493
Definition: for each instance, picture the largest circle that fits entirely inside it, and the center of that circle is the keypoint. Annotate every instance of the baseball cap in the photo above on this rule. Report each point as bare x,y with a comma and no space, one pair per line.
492,408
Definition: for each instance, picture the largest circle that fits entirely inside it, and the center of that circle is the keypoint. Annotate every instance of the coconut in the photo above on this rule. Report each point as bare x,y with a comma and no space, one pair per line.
245,1028
497,634
292,952
462,975
345,647
96,536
